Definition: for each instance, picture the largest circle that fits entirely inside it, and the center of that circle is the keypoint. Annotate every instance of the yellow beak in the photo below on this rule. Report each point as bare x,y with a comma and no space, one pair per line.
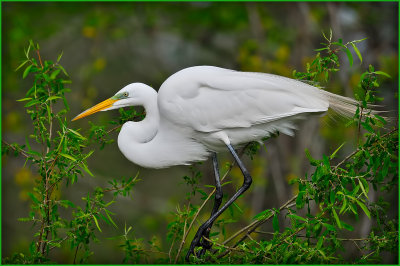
98,107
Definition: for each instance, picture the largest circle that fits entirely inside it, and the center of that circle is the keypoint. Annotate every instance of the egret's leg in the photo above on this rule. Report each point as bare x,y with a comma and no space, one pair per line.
203,228
217,202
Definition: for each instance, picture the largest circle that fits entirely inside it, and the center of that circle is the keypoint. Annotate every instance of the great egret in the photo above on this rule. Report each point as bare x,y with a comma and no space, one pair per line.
202,110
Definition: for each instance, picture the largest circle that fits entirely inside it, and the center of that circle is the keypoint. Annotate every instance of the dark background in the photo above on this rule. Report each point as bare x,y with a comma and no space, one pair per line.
109,45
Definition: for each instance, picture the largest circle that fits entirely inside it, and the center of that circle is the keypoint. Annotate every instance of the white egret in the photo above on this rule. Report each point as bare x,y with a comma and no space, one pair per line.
202,110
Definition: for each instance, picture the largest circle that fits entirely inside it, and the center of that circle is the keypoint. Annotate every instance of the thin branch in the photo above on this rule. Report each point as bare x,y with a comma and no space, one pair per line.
21,151
122,187
257,223
357,150
205,202
304,236
76,252
40,58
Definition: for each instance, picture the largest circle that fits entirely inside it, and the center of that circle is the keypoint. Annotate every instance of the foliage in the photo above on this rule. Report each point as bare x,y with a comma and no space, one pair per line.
329,201
59,154
332,194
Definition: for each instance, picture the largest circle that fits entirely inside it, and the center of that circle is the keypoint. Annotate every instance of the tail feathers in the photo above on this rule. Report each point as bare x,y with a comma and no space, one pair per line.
347,107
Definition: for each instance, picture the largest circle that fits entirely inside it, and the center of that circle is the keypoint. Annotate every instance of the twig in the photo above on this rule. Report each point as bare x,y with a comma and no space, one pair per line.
345,159
204,203
257,223
304,236
359,125
229,248
122,187
357,150
76,252
21,151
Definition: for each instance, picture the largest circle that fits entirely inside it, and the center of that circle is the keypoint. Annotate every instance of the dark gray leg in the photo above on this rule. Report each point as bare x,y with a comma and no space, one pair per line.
217,202
204,227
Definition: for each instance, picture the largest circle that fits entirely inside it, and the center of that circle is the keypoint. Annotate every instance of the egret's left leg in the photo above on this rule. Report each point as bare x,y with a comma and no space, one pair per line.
217,202
203,228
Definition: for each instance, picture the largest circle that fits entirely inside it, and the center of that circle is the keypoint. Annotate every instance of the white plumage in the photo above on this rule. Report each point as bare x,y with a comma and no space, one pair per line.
202,109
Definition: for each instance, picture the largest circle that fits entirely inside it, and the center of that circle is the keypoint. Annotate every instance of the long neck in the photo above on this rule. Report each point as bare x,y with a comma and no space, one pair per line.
145,130
147,144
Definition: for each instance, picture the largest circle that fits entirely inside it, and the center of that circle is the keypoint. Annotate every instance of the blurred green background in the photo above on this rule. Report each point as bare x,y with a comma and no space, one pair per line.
109,45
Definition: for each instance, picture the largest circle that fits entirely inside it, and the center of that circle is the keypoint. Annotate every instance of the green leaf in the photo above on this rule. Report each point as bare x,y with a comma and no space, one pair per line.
343,206
339,44
77,134
332,196
53,98
33,197
371,68
68,156
300,200
383,74
347,226
364,208
65,72
54,74
22,64
59,56
26,72
380,118
336,218
275,223
334,153
320,242
67,203
362,188
311,159
33,102
111,220
357,41
294,216
96,222
357,51
349,56
329,227
367,127
24,99
262,215
86,169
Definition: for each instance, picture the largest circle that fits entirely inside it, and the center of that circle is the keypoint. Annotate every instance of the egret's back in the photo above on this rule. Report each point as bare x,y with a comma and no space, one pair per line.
246,106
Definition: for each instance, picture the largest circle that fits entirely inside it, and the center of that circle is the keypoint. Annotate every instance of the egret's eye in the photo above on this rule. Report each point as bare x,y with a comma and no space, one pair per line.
125,94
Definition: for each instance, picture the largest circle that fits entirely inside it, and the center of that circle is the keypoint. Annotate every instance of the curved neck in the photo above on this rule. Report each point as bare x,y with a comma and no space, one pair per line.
149,125
145,130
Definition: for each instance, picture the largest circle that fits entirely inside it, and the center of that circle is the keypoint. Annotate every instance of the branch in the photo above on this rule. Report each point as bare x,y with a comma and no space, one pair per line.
357,150
121,187
257,223
205,202
19,150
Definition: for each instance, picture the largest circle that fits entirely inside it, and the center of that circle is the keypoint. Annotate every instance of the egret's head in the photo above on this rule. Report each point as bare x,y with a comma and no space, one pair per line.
131,95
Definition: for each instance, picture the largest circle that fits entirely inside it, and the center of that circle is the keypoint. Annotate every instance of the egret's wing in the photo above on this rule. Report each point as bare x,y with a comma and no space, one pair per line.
209,99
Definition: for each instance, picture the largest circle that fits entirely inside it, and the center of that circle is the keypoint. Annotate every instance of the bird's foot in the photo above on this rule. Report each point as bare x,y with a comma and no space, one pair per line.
199,241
